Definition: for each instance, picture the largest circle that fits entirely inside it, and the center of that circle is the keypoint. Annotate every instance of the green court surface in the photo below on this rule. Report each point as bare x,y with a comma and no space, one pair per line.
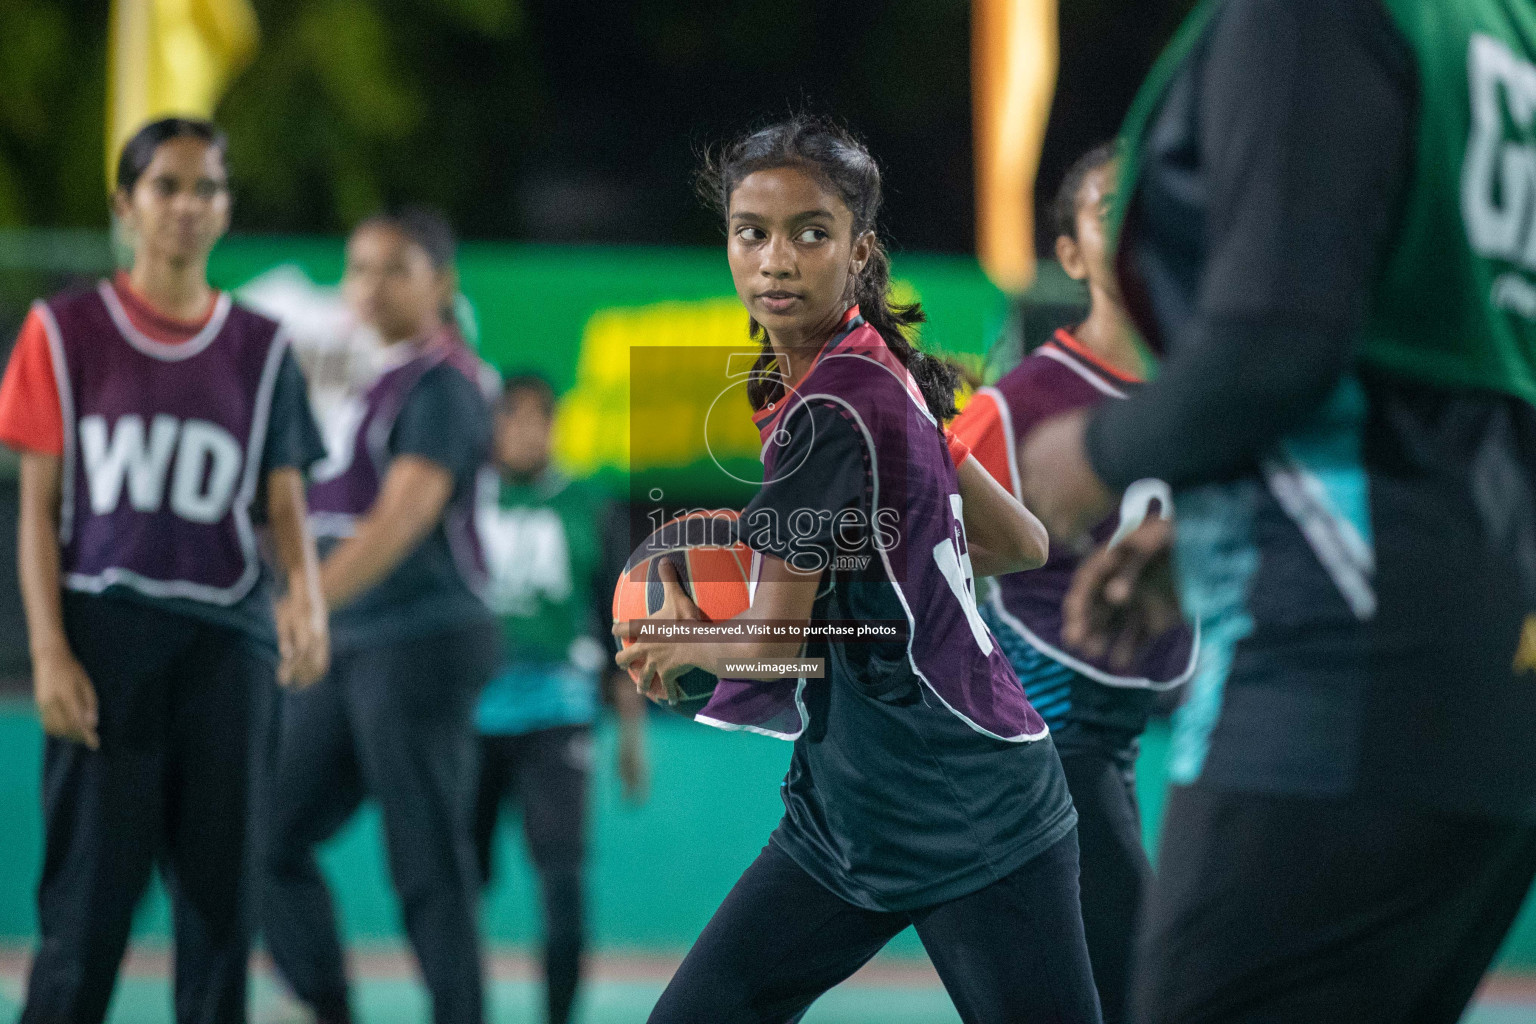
656,873
144,998
401,1001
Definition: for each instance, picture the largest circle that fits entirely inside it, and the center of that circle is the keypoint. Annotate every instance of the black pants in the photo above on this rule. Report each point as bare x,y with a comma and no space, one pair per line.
392,722
1285,909
1011,952
168,784
546,773
1115,871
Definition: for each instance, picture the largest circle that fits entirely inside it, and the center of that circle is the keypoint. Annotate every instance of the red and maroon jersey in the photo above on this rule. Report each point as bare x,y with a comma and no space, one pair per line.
1058,377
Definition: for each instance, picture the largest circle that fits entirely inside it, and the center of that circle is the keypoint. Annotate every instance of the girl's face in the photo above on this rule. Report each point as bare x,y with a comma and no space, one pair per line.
523,434
1087,257
793,253
391,284
179,207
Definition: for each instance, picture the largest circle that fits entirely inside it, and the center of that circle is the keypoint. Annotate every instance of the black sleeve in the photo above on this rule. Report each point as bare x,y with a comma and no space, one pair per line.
1307,110
821,470
445,420
293,440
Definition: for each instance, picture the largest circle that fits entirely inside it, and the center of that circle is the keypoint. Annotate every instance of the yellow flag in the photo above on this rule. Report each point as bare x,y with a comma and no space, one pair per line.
171,57
1015,52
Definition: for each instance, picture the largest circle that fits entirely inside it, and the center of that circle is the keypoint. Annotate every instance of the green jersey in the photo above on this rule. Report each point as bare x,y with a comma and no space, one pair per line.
1456,302
544,547
547,558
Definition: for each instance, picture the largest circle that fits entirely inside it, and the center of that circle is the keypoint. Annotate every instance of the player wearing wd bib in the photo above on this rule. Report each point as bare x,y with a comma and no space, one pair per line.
393,721
161,425
923,789
1096,710
1328,237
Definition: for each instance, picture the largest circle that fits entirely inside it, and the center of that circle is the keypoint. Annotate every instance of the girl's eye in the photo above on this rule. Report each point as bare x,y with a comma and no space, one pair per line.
748,233
812,235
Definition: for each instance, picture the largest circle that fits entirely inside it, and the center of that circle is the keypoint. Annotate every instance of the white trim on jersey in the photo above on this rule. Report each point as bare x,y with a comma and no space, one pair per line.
163,351
1005,413
890,572
240,508
1092,378
66,418
1098,675
805,716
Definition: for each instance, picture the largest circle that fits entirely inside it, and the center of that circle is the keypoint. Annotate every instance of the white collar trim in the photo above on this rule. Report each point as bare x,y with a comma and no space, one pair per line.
170,353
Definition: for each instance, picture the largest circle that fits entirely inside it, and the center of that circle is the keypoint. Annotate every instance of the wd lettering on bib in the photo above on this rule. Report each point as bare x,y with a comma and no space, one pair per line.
207,464
162,448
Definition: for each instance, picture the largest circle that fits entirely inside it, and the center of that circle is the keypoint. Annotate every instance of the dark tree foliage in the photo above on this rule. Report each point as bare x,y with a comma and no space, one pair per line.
558,119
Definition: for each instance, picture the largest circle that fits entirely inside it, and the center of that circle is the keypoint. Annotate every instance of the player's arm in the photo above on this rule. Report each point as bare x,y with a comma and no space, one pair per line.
1002,535
66,700
303,633
440,438
1306,137
783,595
410,502
31,422
293,445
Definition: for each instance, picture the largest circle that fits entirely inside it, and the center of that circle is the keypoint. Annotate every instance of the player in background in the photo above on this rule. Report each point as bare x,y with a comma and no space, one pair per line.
160,425
1327,236
414,643
554,549
1096,712
923,789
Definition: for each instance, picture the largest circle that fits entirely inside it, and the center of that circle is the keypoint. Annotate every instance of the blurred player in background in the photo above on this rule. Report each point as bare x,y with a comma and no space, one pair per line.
159,424
554,549
414,643
1096,712
1328,236
923,789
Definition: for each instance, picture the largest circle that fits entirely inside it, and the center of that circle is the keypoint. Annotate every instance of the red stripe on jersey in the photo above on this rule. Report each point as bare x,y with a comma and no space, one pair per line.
982,426
30,418
1063,339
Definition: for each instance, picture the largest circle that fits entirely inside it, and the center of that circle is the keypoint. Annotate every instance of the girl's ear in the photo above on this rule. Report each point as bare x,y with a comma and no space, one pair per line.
1070,256
863,248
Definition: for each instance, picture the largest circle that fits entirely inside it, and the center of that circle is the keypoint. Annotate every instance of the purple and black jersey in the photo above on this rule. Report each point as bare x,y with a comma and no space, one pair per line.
167,446
428,405
163,448
918,773
1083,699
912,536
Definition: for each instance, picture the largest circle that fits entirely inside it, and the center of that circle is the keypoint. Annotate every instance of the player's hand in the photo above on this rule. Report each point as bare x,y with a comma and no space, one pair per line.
303,639
634,765
66,700
1059,485
656,665
1121,597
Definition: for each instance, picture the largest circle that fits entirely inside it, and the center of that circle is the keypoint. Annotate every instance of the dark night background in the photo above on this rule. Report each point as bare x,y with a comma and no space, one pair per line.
557,120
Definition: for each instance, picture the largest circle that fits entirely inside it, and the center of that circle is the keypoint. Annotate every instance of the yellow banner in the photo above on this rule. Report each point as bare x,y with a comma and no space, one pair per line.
171,57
